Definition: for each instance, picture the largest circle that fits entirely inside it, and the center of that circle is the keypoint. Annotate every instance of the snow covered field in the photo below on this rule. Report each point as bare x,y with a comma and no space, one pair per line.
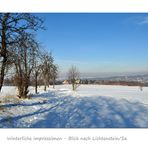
89,106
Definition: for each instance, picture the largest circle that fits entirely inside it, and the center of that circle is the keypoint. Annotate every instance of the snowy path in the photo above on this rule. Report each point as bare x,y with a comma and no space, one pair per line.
63,108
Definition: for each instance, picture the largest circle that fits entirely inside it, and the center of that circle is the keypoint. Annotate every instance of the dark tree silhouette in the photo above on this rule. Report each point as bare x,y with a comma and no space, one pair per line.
12,26
24,60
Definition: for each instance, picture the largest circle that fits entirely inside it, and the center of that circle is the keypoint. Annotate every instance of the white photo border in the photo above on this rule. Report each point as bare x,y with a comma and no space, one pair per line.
135,137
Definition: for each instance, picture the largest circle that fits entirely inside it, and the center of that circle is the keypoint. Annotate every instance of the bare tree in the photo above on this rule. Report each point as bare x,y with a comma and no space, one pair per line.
36,74
141,84
49,70
24,60
46,68
12,25
54,74
37,70
74,77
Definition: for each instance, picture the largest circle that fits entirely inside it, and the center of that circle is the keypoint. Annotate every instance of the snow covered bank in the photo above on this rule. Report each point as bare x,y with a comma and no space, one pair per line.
90,106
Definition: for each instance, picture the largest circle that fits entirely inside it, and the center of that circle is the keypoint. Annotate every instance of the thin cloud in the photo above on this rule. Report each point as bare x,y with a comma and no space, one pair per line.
143,21
137,20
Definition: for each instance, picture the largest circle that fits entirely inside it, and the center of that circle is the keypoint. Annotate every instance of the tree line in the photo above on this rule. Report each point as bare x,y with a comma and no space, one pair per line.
21,53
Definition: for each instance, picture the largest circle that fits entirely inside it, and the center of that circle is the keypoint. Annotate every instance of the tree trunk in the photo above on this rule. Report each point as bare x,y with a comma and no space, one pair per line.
20,89
45,88
36,82
73,86
25,91
3,52
2,73
53,83
45,85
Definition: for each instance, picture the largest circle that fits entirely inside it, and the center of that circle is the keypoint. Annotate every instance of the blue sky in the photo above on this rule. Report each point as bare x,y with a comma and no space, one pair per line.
98,44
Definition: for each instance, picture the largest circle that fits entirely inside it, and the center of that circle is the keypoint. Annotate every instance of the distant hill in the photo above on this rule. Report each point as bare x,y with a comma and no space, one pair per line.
141,78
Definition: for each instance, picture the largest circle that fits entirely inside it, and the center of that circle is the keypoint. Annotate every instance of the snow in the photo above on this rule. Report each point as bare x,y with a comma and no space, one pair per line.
90,106
131,93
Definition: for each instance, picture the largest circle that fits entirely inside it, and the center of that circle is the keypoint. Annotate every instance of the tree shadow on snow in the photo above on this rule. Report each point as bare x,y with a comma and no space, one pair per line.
83,112
95,113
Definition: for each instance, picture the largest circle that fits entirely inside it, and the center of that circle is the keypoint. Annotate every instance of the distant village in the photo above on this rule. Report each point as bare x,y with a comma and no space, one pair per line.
107,82
93,81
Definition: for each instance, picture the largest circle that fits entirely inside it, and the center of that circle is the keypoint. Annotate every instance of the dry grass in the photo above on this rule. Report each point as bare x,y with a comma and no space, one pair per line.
1,108
7,98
